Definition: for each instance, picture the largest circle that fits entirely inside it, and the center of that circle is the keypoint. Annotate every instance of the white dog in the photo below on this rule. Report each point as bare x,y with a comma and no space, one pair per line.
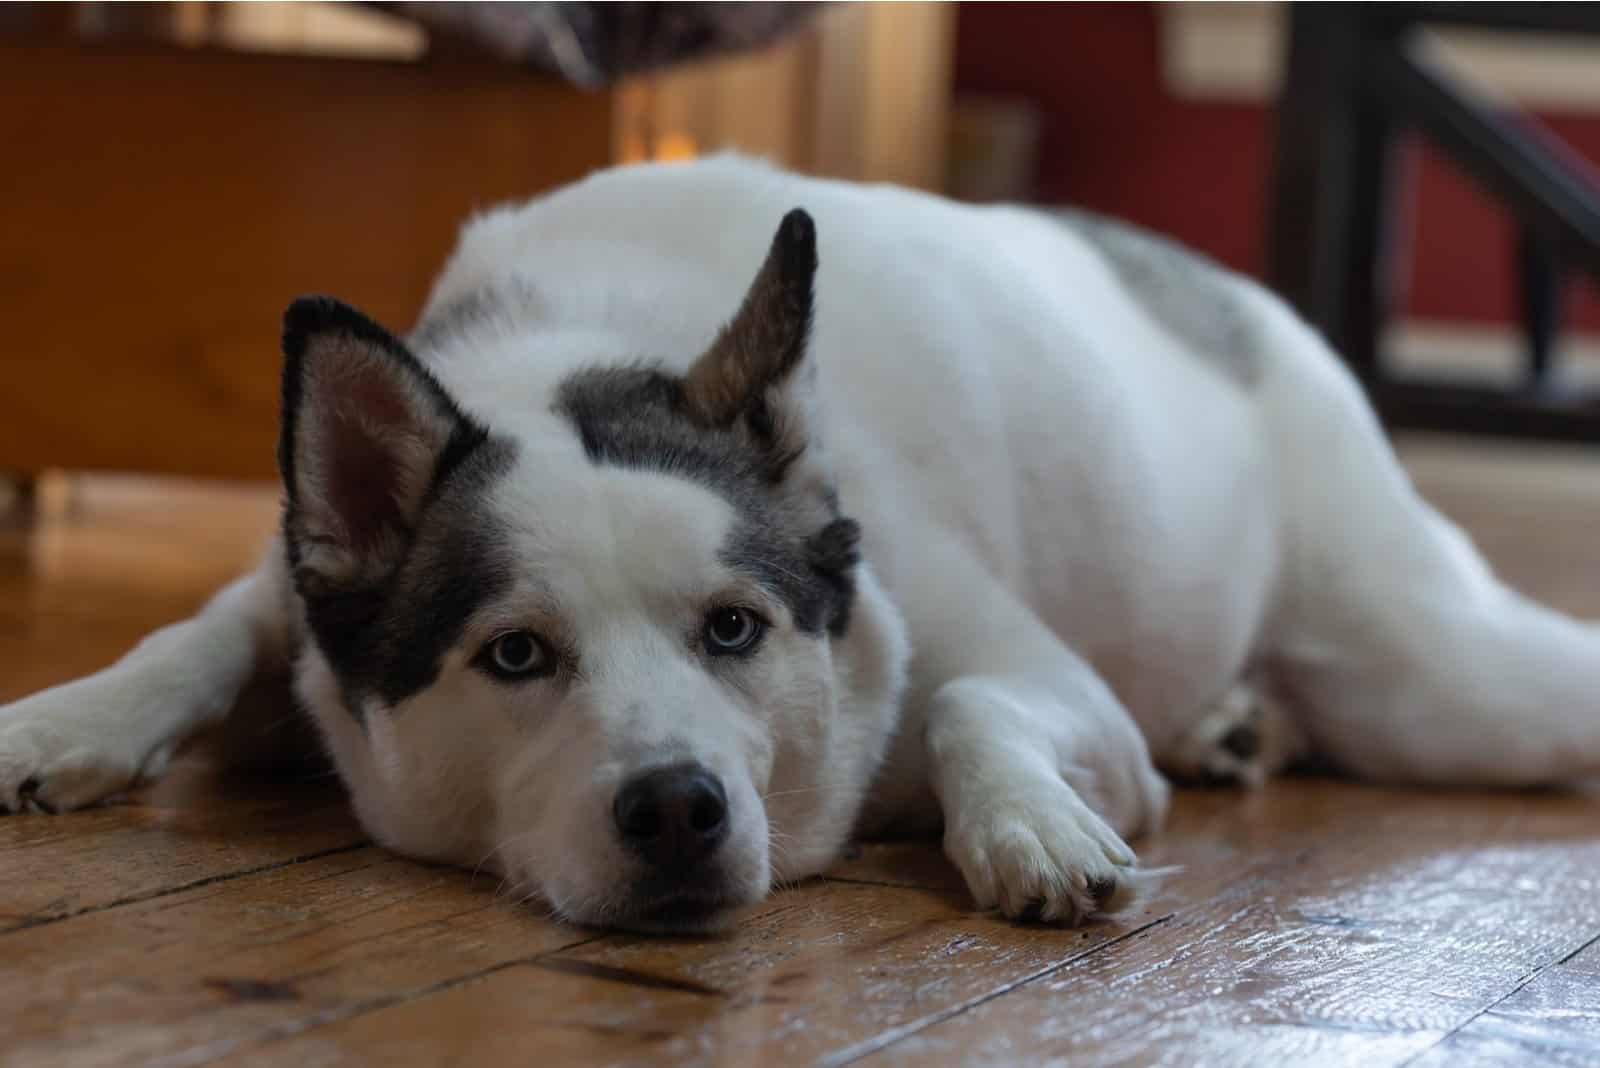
975,525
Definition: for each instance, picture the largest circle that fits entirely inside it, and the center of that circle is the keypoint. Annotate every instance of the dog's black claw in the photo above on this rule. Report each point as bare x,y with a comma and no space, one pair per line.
1216,779
1101,890
28,797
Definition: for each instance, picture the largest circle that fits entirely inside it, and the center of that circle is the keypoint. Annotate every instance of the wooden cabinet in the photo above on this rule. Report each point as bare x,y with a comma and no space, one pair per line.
164,203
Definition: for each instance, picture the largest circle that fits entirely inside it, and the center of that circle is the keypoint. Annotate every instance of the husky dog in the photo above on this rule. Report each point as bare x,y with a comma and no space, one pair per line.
648,584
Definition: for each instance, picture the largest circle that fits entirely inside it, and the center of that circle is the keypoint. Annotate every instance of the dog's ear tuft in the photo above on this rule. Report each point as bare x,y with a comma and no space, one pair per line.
366,430
762,345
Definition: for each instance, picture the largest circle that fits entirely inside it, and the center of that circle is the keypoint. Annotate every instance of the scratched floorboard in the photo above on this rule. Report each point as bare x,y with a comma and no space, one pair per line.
206,922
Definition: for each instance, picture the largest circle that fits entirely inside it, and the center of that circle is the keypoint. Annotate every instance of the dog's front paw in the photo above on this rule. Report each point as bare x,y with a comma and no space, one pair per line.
52,758
1041,856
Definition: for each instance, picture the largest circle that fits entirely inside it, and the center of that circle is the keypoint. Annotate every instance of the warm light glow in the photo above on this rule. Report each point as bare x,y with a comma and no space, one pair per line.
675,146
632,147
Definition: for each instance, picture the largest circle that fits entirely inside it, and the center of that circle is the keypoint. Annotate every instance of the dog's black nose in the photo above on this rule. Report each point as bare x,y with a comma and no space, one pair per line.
673,816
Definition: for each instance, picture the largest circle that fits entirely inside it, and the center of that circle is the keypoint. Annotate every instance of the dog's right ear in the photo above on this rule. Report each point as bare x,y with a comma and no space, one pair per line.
366,431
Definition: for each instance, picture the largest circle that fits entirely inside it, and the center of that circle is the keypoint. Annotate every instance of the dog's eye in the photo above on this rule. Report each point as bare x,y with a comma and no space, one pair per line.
732,630
517,654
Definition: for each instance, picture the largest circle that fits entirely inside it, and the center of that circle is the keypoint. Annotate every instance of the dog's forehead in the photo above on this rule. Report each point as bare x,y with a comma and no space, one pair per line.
580,524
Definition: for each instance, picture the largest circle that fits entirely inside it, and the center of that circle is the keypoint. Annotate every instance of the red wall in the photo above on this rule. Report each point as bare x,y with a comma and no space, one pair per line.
1116,141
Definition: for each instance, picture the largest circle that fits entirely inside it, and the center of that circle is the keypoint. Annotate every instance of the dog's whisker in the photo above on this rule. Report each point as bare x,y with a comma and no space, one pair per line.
485,858
819,788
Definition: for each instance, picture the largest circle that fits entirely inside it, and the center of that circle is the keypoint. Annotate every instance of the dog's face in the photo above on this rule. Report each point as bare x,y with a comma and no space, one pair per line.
622,654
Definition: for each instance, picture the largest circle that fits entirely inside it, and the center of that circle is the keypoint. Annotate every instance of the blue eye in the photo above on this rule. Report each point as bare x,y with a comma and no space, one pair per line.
732,631
517,654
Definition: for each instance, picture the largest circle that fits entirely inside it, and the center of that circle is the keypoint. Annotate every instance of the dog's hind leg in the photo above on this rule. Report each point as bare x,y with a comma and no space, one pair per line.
1408,660
1471,685
82,741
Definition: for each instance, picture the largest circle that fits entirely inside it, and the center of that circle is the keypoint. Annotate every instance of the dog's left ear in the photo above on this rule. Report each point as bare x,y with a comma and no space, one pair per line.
756,369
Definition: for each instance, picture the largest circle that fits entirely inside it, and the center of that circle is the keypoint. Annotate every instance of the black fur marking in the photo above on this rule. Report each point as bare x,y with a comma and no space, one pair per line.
834,552
387,638
309,317
761,548
635,417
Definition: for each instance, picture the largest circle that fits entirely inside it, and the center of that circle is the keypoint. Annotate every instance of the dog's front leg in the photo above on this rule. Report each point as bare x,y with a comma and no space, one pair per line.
1039,774
80,742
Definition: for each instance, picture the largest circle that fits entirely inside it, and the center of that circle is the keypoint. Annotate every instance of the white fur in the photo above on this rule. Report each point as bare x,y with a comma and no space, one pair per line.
1087,529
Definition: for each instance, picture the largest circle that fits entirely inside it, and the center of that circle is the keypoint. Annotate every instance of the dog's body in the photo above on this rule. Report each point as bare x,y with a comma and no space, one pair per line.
571,594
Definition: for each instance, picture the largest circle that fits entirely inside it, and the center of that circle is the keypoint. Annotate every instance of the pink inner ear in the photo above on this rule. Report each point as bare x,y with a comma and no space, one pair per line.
370,436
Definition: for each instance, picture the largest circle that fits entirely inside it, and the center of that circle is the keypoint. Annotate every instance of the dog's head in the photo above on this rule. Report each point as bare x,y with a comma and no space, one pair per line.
622,651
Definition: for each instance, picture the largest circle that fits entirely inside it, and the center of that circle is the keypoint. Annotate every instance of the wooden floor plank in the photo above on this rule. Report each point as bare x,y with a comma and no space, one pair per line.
174,835
193,975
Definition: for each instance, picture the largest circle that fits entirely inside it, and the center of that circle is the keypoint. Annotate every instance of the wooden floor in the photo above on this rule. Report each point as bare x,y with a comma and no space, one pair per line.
203,922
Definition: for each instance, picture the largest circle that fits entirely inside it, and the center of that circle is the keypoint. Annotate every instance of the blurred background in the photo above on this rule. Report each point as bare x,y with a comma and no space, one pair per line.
1414,177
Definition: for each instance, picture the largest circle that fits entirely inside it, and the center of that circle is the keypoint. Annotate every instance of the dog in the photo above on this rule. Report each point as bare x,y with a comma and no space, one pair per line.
712,515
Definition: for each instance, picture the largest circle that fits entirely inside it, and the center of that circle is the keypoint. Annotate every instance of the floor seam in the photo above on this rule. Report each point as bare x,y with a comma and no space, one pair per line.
856,881
28,923
338,1014
1516,988
867,1047
878,1043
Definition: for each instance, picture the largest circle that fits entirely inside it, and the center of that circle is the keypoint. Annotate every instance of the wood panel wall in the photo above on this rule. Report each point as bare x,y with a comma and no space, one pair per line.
162,207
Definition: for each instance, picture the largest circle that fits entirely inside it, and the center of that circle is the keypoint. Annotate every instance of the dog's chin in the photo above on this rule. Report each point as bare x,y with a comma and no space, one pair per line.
708,903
